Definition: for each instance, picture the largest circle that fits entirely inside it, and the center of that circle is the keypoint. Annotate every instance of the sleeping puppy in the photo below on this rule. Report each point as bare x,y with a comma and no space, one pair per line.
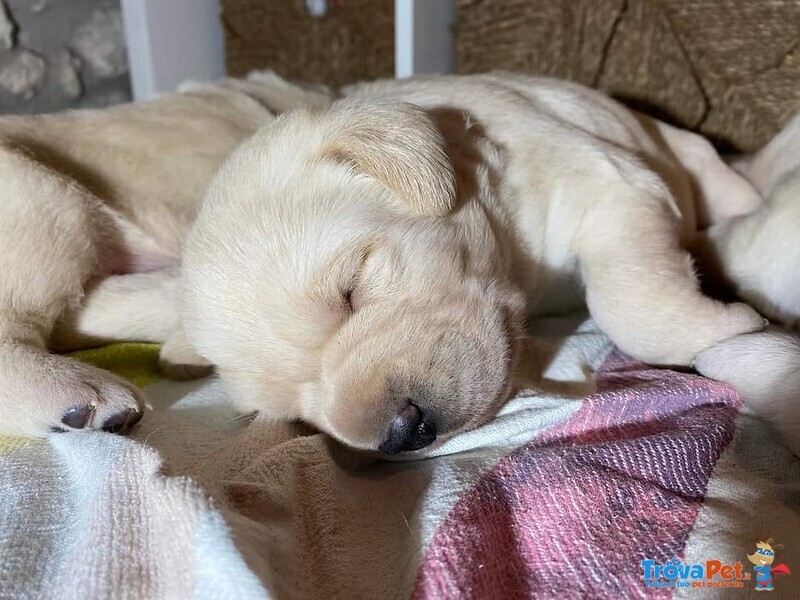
94,206
369,268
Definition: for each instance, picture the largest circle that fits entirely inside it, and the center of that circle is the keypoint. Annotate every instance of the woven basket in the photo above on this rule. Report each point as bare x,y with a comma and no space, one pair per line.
727,68
353,41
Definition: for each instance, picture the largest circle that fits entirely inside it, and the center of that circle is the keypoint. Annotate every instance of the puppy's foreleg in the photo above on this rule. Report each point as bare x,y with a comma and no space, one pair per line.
48,249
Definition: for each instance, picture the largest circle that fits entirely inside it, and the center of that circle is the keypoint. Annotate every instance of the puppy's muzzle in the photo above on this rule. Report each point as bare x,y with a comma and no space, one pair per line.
410,430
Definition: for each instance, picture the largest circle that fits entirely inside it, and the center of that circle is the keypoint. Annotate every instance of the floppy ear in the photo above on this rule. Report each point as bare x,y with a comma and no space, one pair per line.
397,144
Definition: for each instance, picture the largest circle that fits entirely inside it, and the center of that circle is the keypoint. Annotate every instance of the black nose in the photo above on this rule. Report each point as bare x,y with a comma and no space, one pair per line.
410,430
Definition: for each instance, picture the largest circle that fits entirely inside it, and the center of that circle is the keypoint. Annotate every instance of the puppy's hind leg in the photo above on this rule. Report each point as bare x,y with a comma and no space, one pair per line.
640,285
49,246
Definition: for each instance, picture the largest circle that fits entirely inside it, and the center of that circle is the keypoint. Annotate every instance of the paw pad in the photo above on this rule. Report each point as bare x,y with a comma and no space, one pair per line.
78,417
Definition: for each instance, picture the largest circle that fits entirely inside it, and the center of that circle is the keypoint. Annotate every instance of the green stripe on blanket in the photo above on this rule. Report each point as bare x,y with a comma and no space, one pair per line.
138,363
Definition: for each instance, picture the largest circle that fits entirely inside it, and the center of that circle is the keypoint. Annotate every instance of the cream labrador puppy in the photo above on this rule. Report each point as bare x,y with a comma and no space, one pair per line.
369,268
94,207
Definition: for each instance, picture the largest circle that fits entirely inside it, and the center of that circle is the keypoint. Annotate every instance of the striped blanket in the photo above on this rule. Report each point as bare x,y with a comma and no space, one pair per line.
556,498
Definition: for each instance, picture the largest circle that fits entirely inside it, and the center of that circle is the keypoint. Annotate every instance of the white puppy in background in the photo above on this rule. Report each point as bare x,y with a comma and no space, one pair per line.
758,256
367,267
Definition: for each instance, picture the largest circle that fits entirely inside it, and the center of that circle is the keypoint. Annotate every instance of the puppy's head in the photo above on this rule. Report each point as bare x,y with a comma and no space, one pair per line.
331,278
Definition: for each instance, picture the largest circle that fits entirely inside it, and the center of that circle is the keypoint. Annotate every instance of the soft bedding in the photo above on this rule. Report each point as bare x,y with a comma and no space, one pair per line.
557,497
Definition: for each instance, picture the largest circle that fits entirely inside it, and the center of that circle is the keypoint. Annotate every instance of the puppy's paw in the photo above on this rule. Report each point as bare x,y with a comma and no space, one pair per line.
41,393
179,361
679,340
726,322
741,318
764,368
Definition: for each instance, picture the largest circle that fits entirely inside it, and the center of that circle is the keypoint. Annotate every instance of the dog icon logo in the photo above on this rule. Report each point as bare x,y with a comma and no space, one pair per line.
762,560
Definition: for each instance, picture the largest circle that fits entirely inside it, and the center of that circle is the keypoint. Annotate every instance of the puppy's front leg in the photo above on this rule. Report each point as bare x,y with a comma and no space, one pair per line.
48,249
640,285
134,306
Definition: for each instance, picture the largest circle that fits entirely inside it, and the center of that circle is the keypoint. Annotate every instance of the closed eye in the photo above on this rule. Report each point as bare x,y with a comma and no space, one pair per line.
351,283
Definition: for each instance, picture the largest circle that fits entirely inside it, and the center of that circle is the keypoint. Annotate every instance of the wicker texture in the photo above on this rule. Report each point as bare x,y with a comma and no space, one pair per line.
353,41
727,68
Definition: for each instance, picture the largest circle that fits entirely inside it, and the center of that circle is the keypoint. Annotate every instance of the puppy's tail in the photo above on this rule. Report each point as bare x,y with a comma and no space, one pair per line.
764,368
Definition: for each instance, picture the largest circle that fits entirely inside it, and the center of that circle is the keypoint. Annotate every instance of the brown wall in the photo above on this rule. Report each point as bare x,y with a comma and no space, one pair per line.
727,68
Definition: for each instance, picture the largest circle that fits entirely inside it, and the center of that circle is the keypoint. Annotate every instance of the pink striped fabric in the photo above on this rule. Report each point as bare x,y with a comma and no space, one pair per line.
574,512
